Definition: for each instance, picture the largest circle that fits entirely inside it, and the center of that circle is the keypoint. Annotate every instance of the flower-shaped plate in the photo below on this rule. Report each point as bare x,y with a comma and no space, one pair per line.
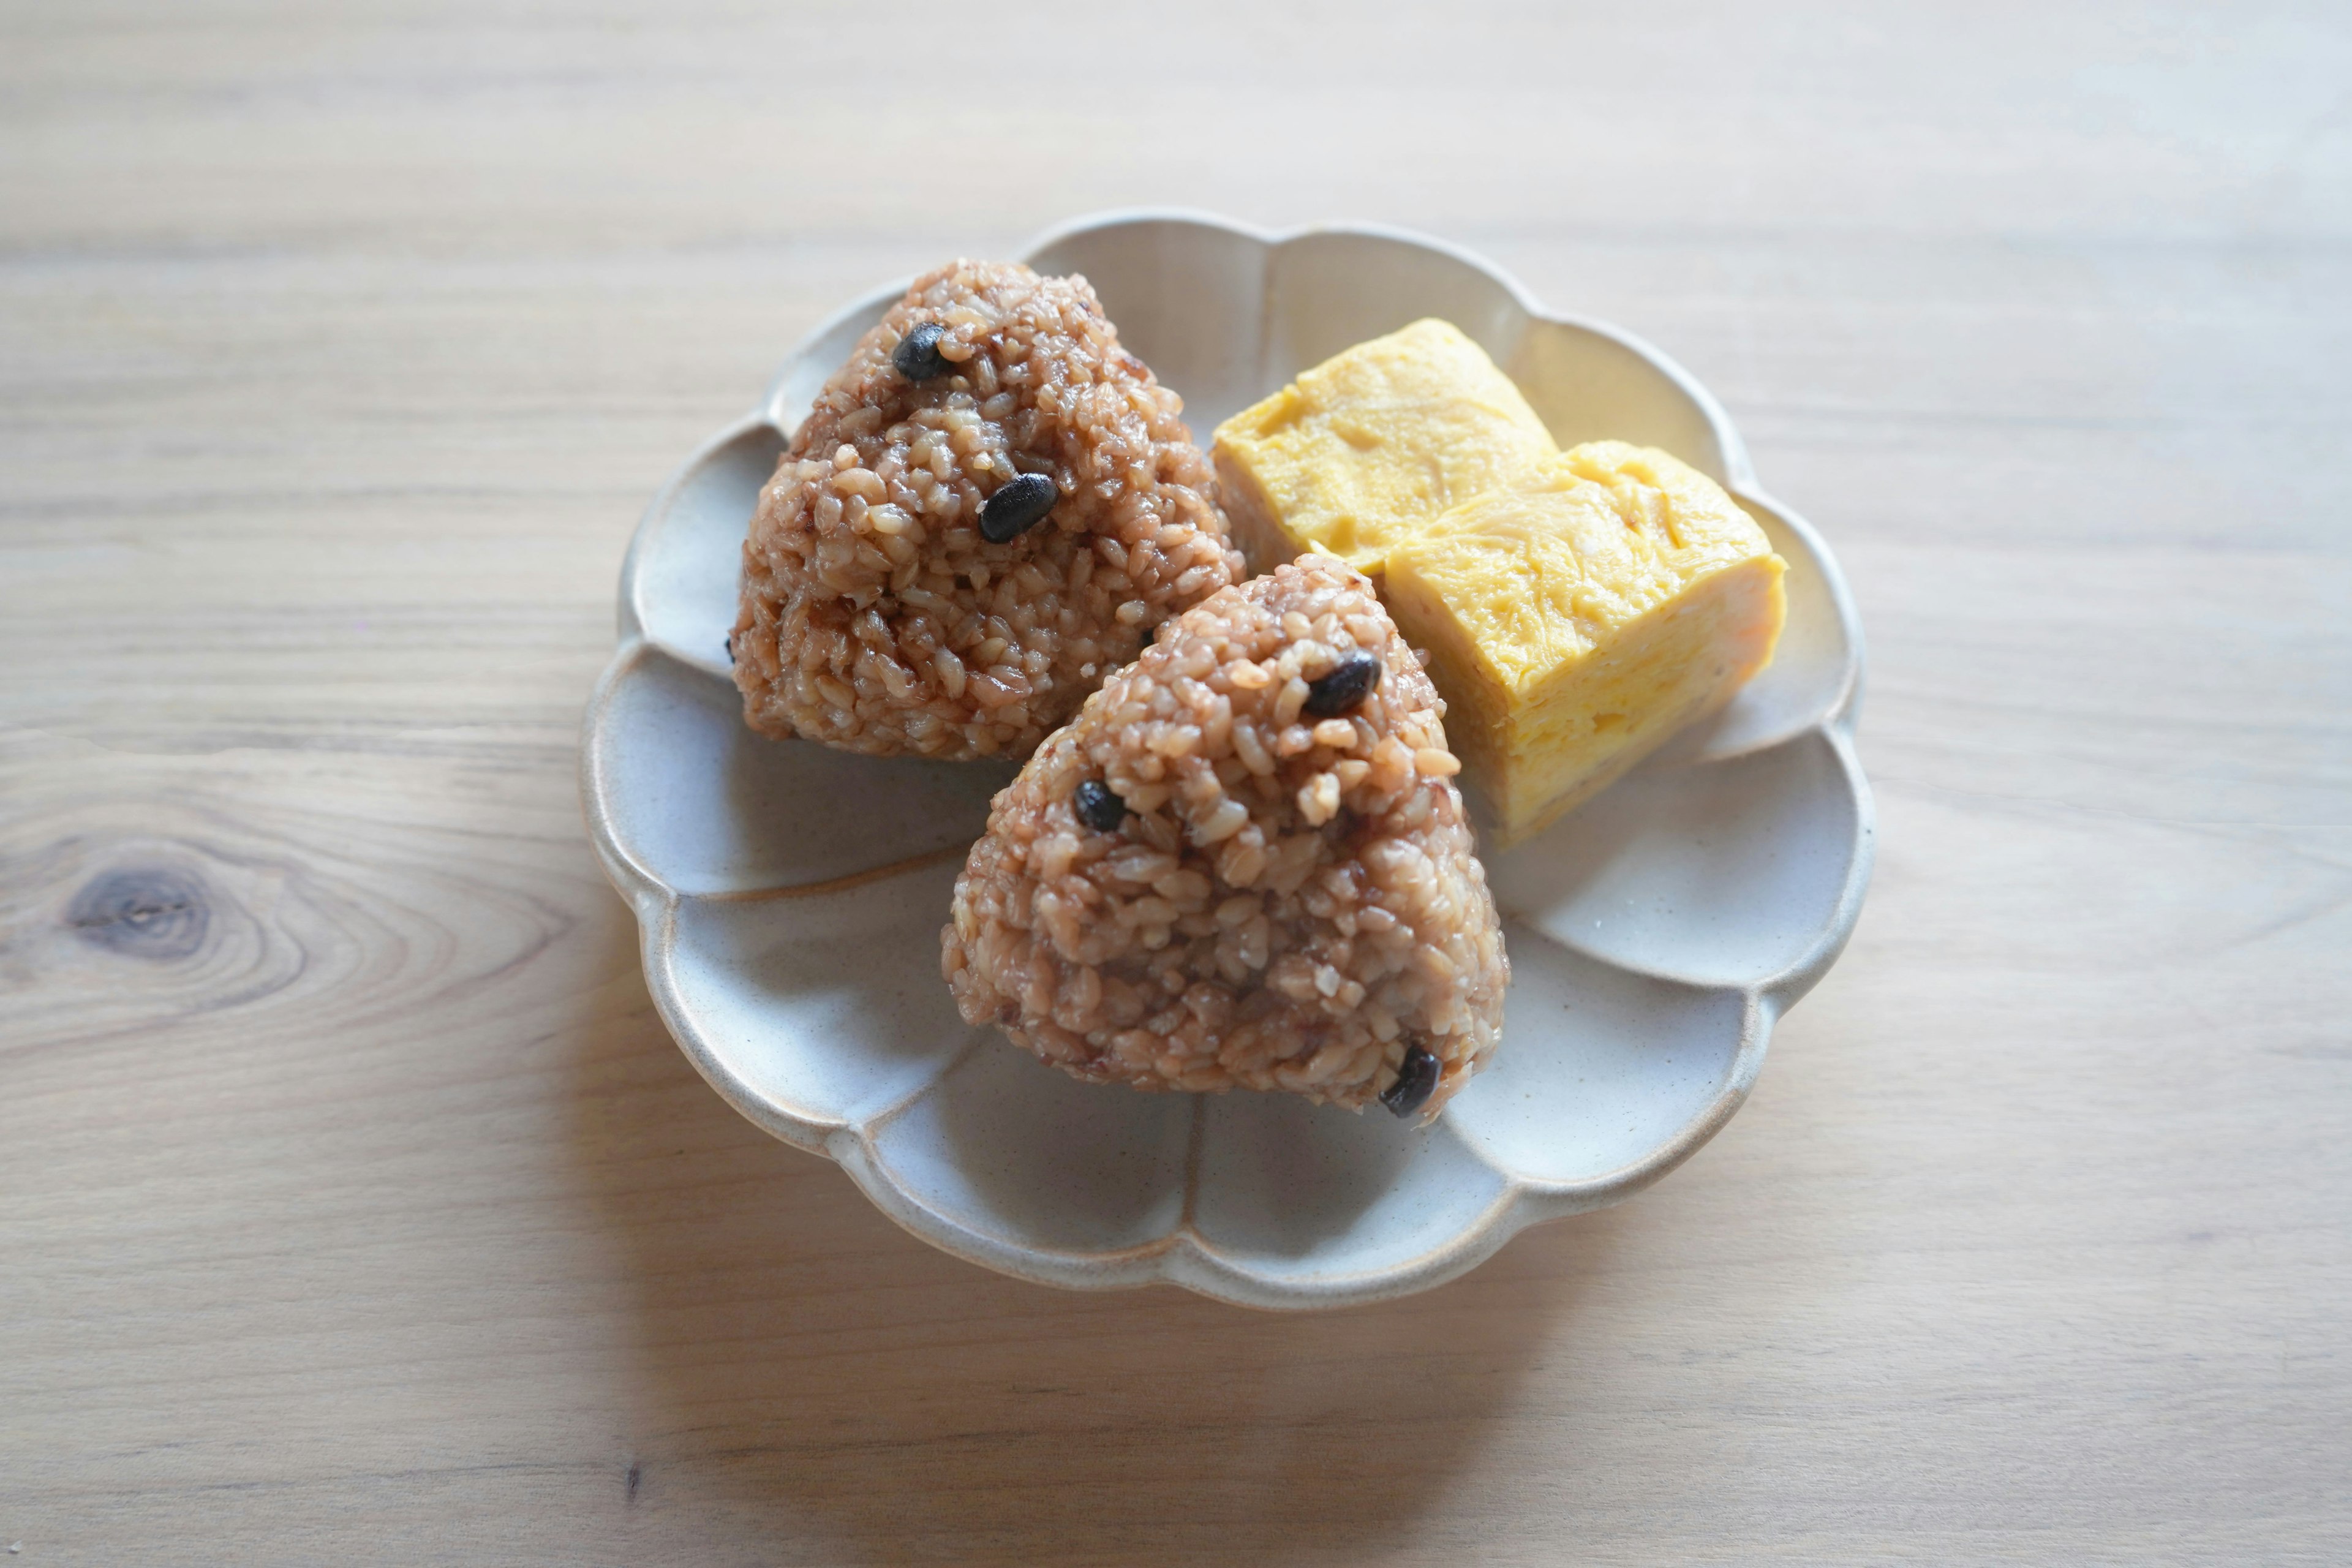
789,897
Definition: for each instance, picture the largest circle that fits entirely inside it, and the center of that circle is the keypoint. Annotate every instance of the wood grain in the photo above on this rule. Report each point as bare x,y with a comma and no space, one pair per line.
357,1207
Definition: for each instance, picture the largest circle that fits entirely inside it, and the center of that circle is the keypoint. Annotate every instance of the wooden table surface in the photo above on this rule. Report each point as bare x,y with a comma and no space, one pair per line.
358,1208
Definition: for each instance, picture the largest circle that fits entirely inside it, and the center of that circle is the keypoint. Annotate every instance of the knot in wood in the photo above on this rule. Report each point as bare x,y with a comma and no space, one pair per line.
143,911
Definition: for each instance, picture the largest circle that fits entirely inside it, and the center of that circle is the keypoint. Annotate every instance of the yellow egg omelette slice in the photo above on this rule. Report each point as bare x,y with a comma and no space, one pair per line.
1370,445
1577,618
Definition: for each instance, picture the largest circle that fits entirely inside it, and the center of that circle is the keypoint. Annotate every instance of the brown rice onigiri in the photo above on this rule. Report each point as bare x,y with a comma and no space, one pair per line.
1201,884
876,617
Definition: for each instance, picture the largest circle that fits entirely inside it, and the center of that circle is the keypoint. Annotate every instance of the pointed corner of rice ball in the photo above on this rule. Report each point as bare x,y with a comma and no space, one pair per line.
988,509
1243,864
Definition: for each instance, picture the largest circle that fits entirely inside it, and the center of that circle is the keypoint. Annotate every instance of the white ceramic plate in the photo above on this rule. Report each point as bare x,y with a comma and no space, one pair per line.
791,897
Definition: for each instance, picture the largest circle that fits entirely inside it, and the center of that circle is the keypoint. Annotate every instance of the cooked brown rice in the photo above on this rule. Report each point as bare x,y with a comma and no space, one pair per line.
877,618
1286,903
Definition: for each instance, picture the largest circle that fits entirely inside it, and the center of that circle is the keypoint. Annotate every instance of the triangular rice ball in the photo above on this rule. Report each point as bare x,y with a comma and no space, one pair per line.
989,509
1245,863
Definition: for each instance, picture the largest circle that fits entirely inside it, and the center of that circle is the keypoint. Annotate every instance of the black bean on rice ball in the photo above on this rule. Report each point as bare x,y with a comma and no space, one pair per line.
1286,903
877,616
